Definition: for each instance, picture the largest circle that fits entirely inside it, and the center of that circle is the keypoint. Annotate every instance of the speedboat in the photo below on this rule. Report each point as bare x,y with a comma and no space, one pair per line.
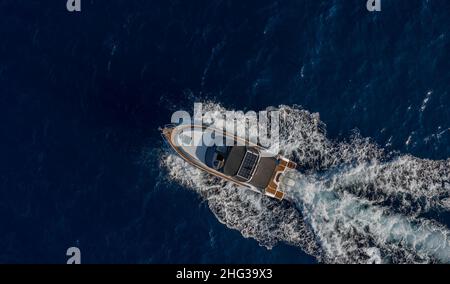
244,163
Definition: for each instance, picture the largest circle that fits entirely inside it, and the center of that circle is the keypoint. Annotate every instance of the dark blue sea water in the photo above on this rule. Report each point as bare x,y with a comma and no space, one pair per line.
83,94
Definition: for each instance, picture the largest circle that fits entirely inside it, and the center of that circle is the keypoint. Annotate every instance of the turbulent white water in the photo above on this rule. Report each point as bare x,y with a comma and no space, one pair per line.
350,202
349,227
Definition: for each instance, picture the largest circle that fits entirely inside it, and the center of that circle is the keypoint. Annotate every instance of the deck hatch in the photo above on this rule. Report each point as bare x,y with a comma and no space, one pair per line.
248,165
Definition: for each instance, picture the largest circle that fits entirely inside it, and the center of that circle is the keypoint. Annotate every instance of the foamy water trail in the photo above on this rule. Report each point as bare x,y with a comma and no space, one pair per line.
352,202
347,226
412,185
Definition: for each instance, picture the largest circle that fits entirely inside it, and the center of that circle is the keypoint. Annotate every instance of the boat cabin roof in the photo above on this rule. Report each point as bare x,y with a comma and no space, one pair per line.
234,160
243,163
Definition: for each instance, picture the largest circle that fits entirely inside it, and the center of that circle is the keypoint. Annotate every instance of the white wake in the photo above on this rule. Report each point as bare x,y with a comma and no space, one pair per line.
349,227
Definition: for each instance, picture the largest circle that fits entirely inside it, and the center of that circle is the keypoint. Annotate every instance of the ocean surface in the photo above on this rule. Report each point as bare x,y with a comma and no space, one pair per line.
83,163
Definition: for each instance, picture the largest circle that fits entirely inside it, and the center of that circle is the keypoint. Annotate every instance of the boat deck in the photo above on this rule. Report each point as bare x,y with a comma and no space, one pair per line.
272,189
265,178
